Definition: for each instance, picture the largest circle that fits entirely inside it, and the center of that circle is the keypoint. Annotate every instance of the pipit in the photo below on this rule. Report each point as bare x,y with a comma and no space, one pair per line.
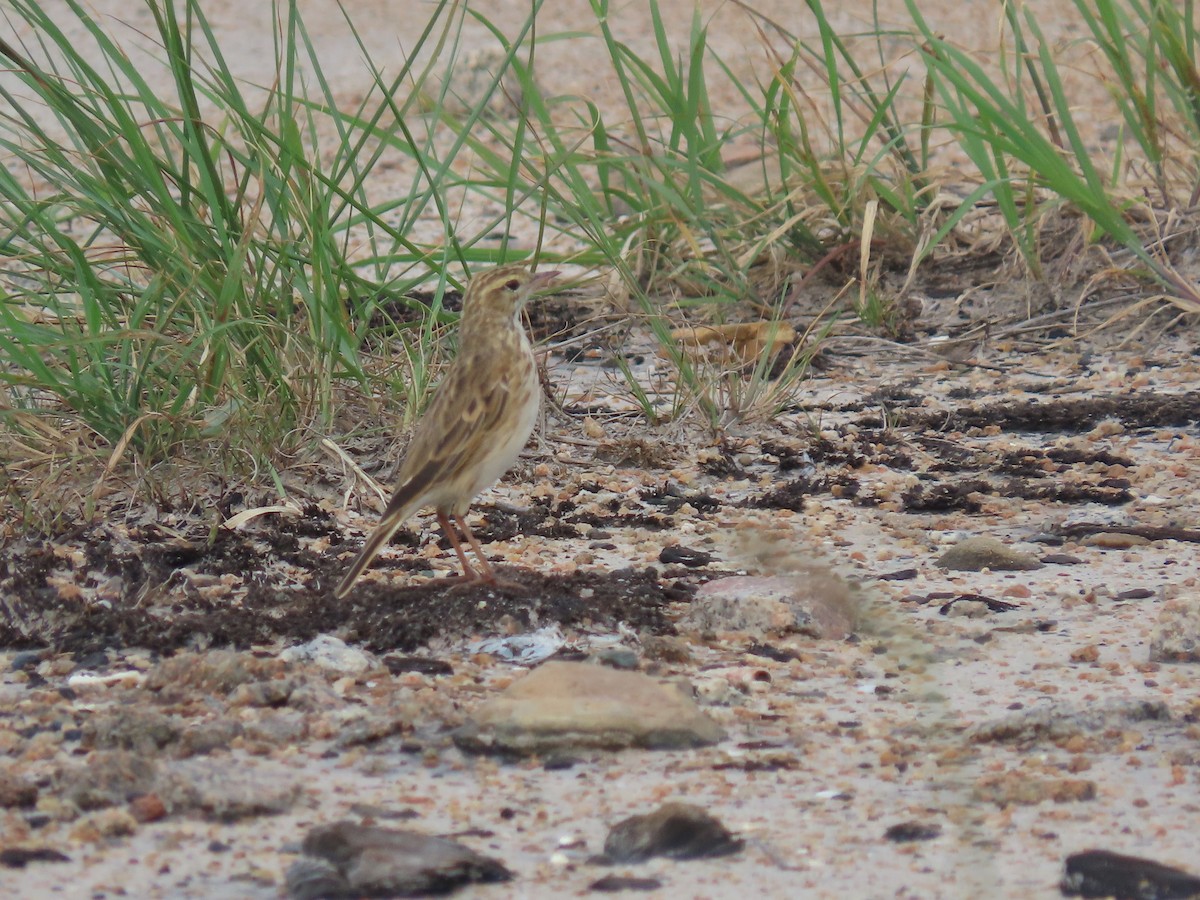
480,417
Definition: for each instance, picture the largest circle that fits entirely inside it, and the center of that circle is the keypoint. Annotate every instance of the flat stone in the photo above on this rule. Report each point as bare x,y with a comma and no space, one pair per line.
818,603
1063,721
978,553
349,860
567,705
213,672
224,790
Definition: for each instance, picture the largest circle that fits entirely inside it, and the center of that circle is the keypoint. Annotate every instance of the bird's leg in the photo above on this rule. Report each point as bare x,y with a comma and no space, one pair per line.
451,533
488,574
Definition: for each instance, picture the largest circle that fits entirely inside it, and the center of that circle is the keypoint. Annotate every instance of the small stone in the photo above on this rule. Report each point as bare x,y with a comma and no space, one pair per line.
213,672
1114,540
105,778
568,705
330,653
224,791
611,884
1176,634
665,648
978,553
19,857
1063,721
350,860
675,830
132,728
684,556
422,665
1136,594
1088,654
104,824
966,609
818,603
1102,873
913,831
618,658
16,792
1016,788
147,808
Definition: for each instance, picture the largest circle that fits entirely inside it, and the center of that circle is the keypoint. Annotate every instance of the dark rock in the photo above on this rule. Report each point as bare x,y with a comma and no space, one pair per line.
1136,594
913,831
973,602
676,830
19,857
27,659
1102,873
397,665
350,860
618,658
684,556
1061,559
611,884
898,575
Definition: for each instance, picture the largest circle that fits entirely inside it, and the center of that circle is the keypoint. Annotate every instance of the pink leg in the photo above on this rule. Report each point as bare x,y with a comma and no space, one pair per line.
488,574
468,572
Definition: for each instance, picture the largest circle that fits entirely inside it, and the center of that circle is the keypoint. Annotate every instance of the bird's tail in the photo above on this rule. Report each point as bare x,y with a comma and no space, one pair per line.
388,525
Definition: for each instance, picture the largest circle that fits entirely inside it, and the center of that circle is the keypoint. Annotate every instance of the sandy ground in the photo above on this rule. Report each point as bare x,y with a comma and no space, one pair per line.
830,742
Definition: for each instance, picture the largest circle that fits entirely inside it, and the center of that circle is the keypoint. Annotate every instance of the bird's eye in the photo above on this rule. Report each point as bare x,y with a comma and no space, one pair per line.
512,284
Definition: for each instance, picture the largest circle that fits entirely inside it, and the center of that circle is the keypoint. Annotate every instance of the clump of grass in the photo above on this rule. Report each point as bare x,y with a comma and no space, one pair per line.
201,264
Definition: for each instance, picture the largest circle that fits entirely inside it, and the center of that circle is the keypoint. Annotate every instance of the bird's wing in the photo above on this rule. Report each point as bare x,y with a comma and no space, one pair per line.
456,433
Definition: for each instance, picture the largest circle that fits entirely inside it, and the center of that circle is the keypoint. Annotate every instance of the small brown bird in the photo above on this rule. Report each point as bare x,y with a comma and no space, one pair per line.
480,417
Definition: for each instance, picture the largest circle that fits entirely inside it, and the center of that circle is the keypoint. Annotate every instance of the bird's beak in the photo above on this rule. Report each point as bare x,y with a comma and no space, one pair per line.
542,280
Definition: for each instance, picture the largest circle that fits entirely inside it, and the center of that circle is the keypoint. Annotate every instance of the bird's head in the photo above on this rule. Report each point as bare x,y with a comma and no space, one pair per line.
501,292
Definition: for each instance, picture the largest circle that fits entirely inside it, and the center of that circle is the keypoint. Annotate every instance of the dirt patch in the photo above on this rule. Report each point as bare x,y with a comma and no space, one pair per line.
171,595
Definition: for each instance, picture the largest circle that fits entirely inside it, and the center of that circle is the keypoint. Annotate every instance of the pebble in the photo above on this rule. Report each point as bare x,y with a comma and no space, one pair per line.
977,553
675,830
562,706
1114,540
